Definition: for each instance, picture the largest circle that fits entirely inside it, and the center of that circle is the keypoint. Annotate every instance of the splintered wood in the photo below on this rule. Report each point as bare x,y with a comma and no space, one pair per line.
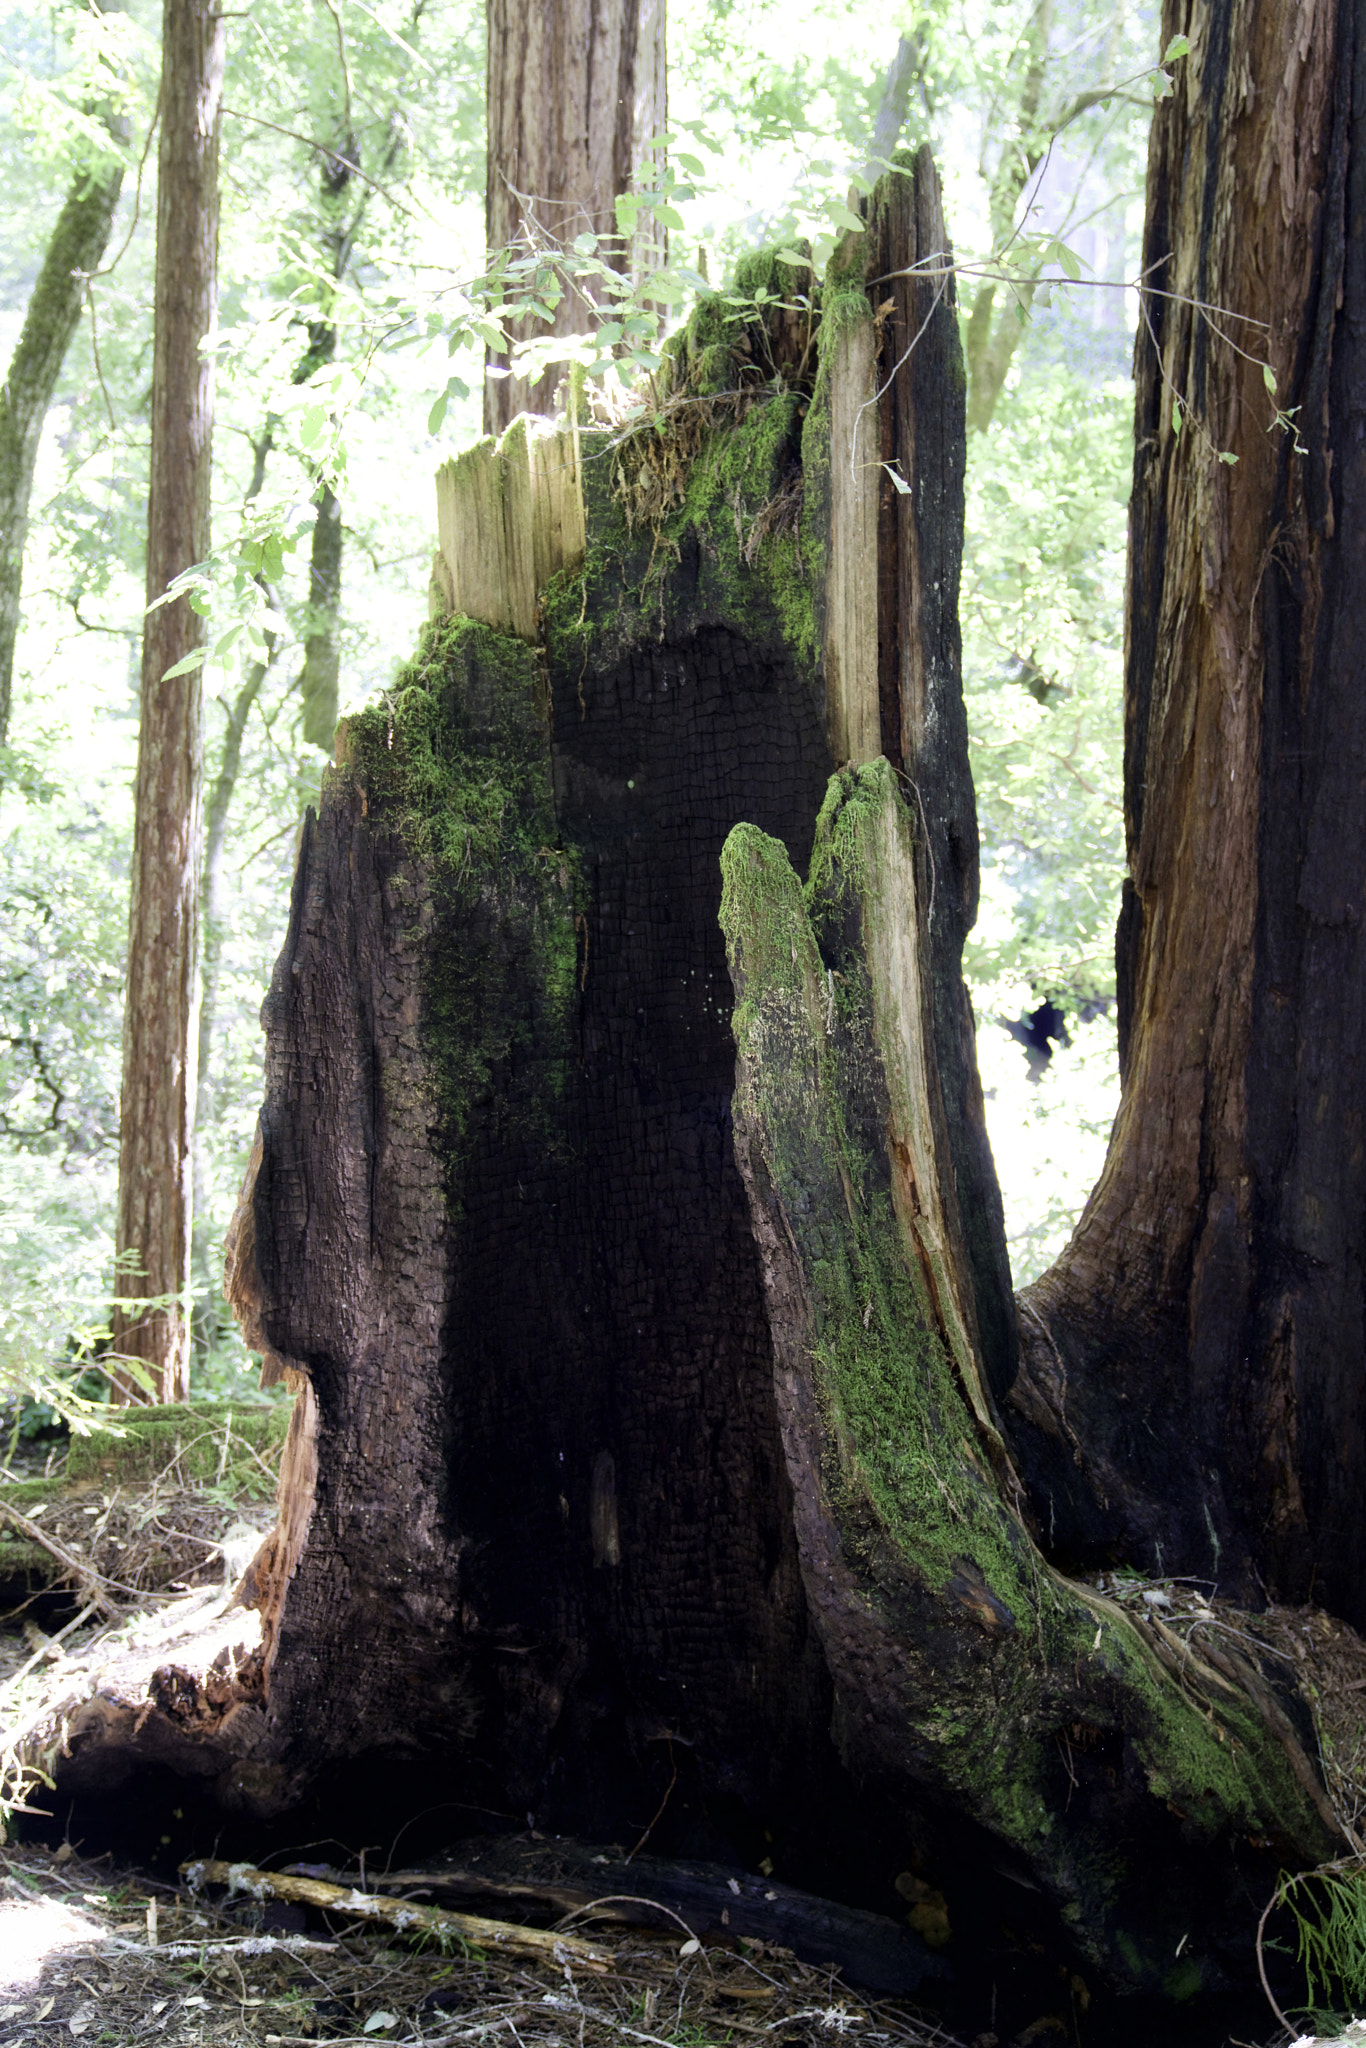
509,517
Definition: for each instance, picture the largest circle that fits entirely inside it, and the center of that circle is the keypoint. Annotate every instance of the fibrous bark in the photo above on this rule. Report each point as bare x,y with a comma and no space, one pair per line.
576,93
649,1334
1192,1394
156,1117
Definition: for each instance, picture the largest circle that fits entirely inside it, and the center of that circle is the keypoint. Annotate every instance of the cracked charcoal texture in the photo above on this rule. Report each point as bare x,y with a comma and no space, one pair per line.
552,1513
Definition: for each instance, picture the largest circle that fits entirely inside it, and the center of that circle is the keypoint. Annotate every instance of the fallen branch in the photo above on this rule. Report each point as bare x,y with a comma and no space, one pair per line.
404,1914
87,1578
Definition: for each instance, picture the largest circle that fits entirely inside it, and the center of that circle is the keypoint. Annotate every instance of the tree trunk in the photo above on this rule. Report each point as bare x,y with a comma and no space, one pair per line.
78,242
576,91
646,1459
320,675
1192,1392
159,1033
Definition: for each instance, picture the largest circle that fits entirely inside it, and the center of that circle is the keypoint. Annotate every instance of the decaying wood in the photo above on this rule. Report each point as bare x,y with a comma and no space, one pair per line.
870,1949
405,1914
933,1608
654,1478
851,592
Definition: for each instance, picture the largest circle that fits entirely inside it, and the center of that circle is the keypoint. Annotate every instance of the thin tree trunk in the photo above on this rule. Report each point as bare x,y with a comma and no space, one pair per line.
78,242
1193,1390
319,677
215,840
160,1024
576,91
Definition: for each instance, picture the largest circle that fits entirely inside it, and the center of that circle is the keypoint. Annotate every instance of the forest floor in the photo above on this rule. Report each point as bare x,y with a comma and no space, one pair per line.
109,1956
118,1561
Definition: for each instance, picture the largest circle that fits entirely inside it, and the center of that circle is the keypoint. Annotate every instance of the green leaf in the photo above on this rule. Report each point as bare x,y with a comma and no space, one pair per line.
609,334
793,256
272,558
1178,419
1070,262
312,424
844,216
1179,46
437,414
693,165
1226,455
669,216
1269,378
903,489
196,658
224,644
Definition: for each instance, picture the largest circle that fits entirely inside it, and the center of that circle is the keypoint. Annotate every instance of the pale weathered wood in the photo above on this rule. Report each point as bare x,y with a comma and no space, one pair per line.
405,1914
851,623
509,517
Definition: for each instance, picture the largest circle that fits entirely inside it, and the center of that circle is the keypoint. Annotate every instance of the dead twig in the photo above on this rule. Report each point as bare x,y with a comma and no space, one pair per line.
87,1578
401,1913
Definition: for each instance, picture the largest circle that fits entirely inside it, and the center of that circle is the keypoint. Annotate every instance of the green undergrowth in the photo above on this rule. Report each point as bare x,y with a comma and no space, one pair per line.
455,759
907,1467
1327,1911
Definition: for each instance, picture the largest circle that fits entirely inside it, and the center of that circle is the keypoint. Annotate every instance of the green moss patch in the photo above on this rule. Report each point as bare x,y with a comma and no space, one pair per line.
455,761
203,1442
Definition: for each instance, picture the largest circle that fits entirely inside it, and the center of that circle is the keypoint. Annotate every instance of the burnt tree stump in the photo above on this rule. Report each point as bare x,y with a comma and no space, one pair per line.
646,1473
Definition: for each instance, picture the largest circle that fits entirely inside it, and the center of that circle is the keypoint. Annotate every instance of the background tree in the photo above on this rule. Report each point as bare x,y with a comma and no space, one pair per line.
1205,1320
160,1022
78,242
576,93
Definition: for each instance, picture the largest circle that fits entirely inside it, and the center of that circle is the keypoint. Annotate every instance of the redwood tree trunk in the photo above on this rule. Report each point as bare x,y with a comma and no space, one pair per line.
156,1118
576,90
1193,1391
